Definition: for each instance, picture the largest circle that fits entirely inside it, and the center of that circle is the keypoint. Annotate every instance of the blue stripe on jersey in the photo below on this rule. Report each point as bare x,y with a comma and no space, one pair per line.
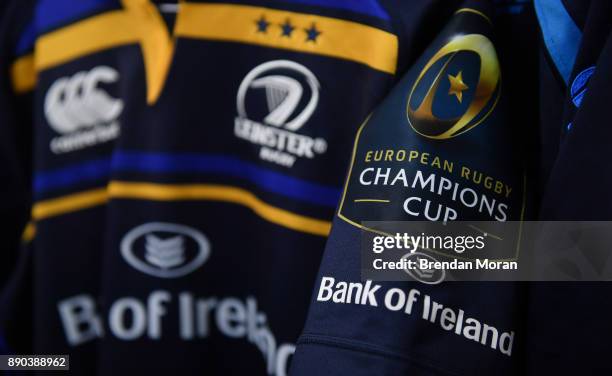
560,33
266,179
367,7
26,40
67,176
53,13
269,180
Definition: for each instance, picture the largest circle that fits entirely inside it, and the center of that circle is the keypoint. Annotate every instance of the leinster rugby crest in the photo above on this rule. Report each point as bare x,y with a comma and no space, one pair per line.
274,103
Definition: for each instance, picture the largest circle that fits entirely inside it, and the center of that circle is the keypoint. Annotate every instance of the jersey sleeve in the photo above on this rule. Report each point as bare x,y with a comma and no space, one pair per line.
446,124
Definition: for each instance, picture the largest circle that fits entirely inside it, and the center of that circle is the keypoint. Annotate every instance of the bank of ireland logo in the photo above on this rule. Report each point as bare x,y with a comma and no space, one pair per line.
81,111
165,250
274,101
457,89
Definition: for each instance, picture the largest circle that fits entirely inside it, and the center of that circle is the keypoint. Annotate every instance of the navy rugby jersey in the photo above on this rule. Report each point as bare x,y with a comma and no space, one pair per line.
178,168
557,328
569,325
448,143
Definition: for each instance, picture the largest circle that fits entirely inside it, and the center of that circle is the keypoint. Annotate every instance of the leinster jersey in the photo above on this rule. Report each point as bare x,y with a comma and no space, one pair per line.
186,184
442,146
173,171
547,126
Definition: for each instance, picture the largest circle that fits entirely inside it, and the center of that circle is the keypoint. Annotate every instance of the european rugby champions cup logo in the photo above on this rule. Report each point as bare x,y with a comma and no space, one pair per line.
417,142
438,150
457,89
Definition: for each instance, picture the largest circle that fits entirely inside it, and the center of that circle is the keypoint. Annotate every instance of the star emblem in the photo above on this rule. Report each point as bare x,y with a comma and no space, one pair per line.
312,33
287,29
262,25
457,86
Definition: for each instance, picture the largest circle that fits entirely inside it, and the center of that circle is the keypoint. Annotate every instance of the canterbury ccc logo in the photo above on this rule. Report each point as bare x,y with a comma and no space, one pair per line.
77,102
457,89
